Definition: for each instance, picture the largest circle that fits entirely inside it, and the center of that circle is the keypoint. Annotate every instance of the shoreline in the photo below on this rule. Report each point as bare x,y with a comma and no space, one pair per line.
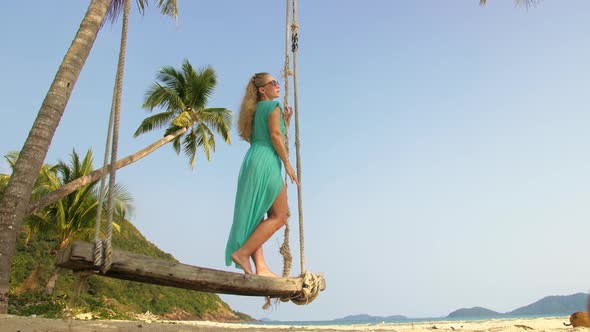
26,324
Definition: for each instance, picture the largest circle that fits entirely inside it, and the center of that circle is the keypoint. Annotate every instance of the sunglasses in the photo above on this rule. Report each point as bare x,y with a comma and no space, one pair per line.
273,82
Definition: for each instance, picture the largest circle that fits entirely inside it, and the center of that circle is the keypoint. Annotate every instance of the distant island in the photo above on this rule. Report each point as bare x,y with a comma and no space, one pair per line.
474,312
557,305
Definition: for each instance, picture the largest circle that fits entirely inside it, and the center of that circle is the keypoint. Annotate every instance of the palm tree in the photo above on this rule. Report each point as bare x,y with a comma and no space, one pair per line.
74,216
18,189
42,186
183,94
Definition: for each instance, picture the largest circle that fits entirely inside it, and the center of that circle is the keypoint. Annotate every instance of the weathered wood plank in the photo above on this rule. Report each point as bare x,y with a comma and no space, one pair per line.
79,256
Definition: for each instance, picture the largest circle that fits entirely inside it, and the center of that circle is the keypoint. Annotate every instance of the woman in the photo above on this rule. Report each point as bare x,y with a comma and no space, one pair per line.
260,185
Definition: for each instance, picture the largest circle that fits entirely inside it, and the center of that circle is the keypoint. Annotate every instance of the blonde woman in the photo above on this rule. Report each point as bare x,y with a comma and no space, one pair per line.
261,190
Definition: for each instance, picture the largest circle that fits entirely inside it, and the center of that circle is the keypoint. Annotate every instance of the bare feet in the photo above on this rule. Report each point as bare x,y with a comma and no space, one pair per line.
243,261
266,273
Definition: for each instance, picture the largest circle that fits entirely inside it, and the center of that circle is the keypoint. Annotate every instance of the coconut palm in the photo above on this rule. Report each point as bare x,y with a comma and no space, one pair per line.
183,95
74,216
17,193
18,189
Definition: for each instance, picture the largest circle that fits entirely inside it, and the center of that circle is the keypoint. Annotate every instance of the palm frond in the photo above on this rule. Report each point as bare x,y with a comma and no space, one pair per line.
163,97
203,139
210,138
172,79
171,130
176,144
11,158
202,85
122,201
189,146
220,119
184,119
169,7
155,121
114,10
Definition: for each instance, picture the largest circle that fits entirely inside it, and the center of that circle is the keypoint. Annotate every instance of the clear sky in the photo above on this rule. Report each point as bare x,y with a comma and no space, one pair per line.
444,145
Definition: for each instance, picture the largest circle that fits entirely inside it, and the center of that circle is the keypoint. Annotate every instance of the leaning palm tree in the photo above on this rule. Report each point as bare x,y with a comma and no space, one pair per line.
18,189
183,95
33,222
17,193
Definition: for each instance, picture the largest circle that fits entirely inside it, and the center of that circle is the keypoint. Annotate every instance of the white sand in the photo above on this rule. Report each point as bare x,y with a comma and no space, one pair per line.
10,323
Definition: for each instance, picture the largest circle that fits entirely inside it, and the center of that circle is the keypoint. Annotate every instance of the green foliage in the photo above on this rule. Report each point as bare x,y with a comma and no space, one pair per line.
73,218
105,298
167,7
243,317
37,304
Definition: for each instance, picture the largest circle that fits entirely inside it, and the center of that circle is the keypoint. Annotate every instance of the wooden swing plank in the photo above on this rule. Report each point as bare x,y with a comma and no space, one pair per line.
79,256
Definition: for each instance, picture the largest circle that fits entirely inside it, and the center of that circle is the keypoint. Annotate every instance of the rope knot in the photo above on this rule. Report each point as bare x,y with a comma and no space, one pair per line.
312,286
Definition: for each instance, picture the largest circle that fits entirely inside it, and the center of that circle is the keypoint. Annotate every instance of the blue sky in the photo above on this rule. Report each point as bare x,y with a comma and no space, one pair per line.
444,145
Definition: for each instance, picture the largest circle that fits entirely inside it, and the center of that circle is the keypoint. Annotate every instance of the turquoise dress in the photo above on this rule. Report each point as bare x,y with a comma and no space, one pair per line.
260,180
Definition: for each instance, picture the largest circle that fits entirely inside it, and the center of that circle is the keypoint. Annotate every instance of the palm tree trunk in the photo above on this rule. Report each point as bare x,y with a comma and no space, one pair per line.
69,188
81,285
52,281
17,194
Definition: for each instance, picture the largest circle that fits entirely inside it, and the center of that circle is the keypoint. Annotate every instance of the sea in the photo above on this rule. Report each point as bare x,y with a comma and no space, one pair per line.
401,321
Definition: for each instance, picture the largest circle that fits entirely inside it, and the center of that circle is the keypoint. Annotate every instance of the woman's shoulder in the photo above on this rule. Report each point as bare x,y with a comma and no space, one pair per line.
270,102
270,105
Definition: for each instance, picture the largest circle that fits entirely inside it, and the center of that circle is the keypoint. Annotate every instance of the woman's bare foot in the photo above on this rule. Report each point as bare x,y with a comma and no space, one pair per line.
266,273
243,261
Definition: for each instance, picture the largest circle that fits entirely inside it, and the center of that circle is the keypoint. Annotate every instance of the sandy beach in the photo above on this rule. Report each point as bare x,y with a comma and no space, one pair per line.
10,323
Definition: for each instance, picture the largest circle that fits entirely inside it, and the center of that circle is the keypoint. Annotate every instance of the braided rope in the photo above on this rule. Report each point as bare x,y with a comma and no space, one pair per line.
108,255
311,283
107,150
294,48
285,248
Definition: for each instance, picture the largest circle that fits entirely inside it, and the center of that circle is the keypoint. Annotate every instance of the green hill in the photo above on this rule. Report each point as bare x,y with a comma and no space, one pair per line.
562,305
554,305
475,312
105,297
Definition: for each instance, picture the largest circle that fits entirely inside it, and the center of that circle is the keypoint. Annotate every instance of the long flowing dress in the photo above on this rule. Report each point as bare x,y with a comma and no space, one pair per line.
259,182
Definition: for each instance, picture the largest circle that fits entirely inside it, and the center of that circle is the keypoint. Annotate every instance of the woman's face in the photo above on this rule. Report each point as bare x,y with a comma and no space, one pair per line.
270,87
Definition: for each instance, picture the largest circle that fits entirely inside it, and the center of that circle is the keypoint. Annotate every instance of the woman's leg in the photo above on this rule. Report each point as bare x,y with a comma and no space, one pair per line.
260,264
263,232
259,261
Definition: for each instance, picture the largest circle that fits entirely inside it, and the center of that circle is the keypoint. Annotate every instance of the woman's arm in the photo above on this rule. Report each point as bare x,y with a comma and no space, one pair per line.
276,137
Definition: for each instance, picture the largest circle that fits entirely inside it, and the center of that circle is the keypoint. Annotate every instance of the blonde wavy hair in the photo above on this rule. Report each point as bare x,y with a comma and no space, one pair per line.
251,98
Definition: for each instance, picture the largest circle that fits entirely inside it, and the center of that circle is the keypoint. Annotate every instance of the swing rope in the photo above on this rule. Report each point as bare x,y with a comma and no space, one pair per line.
285,248
103,251
311,282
